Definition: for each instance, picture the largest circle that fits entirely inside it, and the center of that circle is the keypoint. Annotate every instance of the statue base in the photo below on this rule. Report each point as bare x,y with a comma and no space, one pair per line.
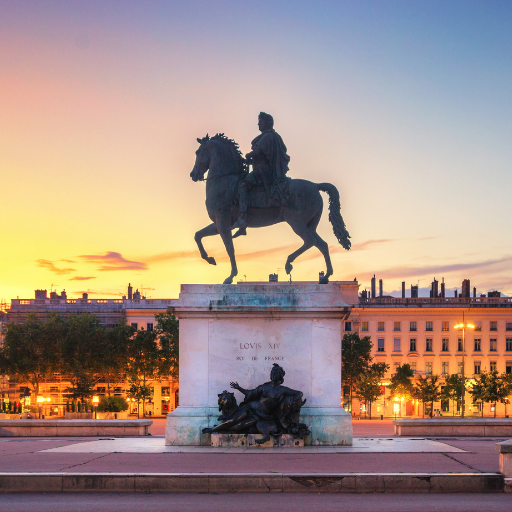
237,332
249,441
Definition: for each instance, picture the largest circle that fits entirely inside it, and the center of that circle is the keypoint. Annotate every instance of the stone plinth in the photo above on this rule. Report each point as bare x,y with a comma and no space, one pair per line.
249,441
236,332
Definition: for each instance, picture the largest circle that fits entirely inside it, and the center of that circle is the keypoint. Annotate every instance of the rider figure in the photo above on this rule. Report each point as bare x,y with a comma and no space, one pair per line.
270,165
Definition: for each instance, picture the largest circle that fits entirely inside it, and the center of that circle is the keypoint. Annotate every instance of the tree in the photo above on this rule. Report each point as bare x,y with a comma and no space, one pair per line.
31,350
427,390
82,352
368,385
400,385
452,390
490,387
356,359
112,404
167,330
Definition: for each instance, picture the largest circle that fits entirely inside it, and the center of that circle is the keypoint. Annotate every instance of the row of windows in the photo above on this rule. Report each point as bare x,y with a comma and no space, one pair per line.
149,326
429,326
445,345
445,367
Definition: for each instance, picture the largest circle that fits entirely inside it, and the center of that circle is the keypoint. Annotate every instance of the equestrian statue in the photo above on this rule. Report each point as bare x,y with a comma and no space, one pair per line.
238,199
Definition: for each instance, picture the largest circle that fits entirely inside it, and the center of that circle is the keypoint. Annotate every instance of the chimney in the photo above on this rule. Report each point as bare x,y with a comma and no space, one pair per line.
466,286
274,278
381,288
455,293
474,292
85,296
41,294
130,292
403,289
374,294
434,292
443,291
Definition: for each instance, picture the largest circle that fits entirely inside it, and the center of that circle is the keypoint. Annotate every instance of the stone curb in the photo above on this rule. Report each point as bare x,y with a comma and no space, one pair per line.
358,483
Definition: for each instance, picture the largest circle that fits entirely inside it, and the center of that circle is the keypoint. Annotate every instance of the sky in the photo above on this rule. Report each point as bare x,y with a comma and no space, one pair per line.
404,106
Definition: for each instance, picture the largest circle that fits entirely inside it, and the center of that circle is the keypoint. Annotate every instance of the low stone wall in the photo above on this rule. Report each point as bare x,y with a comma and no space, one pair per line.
456,427
74,428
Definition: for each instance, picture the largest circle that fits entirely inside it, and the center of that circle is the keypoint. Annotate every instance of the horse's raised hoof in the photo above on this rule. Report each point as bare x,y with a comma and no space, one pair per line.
211,260
240,232
288,267
323,280
228,280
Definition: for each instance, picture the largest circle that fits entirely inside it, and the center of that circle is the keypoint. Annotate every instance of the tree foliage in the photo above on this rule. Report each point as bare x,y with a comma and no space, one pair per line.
400,385
452,389
427,390
490,387
368,385
167,330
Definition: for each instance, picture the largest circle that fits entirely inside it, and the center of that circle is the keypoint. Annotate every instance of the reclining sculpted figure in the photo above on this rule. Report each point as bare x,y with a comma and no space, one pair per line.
270,409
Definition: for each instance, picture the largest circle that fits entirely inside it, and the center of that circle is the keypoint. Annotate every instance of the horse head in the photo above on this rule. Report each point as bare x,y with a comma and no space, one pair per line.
202,160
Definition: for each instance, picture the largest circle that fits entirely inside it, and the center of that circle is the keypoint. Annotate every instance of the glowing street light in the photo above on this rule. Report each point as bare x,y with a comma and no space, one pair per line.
95,401
463,325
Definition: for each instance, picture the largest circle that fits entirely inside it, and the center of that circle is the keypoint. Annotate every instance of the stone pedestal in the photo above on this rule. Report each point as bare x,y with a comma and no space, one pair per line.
236,332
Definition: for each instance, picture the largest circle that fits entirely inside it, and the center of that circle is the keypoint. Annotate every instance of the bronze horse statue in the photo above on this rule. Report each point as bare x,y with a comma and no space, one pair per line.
227,167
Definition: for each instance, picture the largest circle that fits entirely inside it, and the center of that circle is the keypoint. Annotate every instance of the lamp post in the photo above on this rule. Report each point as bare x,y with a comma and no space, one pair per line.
95,401
40,401
463,326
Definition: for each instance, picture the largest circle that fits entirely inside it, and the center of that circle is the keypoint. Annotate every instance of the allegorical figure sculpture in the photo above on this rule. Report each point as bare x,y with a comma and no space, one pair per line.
270,409
236,198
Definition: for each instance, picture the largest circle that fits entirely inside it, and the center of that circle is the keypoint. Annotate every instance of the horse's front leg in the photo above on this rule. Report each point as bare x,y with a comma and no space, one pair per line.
224,227
207,231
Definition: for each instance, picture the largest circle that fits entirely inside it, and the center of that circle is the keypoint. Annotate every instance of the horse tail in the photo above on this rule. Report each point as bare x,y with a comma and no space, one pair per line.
338,225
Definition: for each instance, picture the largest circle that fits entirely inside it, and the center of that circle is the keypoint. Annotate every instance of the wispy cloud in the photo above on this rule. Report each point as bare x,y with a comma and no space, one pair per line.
50,265
80,278
111,261
432,270
169,256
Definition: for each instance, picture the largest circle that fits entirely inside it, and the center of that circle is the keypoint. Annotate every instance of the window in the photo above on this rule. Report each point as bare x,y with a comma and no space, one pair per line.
445,368
492,364
380,326
380,345
150,327
428,367
509,326
446,326
428,345
508,367
396,345
446,345
413,367
478,345
493,345
478,326
459,368
430,326
412,326
397,326
412,345
135,325
364,327
508,345
396,365
494,326
477,368
348,326
166,391
54,389
459,345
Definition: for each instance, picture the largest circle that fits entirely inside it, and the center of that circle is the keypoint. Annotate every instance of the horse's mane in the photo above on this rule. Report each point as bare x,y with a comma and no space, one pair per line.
241,163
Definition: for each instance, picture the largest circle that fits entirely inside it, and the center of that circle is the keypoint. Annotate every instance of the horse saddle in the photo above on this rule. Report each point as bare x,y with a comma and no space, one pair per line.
274,196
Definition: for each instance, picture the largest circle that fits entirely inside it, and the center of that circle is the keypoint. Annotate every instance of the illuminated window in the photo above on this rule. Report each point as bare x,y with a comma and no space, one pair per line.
380,345
446,326
478,345
430,326
428,368
413,367
396,345
477,368
493,345
428,345
364,327
412,326
445,367
478,326
380,326
396,326
446,344
492,364
494,326
412,345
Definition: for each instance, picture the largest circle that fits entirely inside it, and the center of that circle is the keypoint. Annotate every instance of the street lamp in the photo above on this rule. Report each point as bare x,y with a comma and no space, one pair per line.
40,401
463,326
95,400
